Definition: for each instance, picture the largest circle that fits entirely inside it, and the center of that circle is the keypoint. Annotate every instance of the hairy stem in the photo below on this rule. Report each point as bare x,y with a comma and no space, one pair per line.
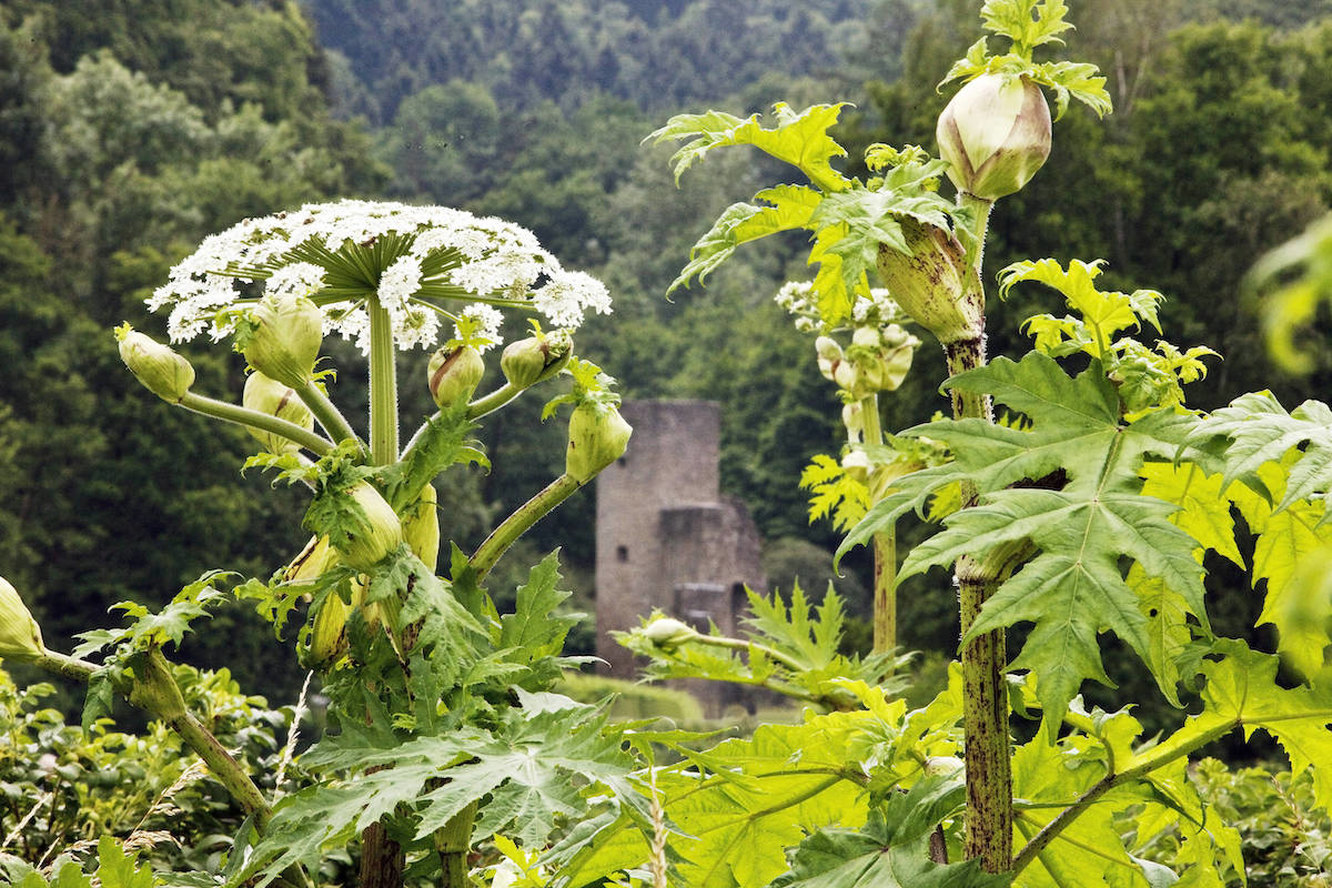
984,658
509,530
316,444
455,841
885,591
383,387
227,770
327,413
885,547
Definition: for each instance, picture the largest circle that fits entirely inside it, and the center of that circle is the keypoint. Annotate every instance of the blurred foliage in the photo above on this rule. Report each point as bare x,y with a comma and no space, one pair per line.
61,789
1285,838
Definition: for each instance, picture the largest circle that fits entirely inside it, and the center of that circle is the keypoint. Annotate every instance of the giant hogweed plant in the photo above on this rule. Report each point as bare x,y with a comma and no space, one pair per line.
444,730
1086,510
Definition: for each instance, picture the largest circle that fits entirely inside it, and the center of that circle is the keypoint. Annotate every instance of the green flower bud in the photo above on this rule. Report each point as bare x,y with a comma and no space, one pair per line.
598,436
20,636
372,529
454,375
420,527
528,361
283,338
927,283
161,370
668,633
328,634
266,395
317,558
995,135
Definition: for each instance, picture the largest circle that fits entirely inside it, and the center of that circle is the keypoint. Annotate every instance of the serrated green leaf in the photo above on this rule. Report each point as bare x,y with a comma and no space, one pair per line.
442,442
762,796
834,493
785,207
529,771
1084,514
1028,23
1242,692
533,635
116,869
891,850
1088,852
1260,431
1293,547
800,139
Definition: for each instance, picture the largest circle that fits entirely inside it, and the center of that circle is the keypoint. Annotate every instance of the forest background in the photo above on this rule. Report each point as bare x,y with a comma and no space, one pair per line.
127,136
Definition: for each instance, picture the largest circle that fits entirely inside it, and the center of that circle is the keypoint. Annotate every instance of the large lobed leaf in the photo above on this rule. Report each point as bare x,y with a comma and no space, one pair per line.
1067,484
532,769
892,849
800,139
1242,692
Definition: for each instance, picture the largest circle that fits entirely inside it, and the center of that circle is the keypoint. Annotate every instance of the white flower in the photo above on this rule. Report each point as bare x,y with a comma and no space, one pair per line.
569,295
415,261
400,282
297,279
488,322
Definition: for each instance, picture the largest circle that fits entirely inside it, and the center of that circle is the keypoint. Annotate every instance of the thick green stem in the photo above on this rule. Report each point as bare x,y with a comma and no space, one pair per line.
984,658
885,546
454,842
254,419
383,387
885,591
529,513
493,401
327,413
225,768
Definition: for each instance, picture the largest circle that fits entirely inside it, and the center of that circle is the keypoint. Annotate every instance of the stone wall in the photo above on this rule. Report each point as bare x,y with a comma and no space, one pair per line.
666,538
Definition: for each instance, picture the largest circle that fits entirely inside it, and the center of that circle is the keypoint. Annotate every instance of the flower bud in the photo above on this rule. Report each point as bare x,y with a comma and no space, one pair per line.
454,375
162,371
829,356
284,337
266,395
853,417
927,282
328,634
668,633
420,527
856,464
598,436
866,337
316,559
372,529
20,636
899,347
527,361
845,375
995,135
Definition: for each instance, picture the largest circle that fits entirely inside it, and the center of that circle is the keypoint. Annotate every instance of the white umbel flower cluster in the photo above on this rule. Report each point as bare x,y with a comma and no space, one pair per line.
493,263
800,299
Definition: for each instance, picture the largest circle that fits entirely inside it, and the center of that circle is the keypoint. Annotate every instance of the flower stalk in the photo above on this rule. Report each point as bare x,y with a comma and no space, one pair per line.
253,419
510,529
984,658
383,387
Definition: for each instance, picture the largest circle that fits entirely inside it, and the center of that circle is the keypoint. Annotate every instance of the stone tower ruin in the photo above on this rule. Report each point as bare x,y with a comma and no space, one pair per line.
666,538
